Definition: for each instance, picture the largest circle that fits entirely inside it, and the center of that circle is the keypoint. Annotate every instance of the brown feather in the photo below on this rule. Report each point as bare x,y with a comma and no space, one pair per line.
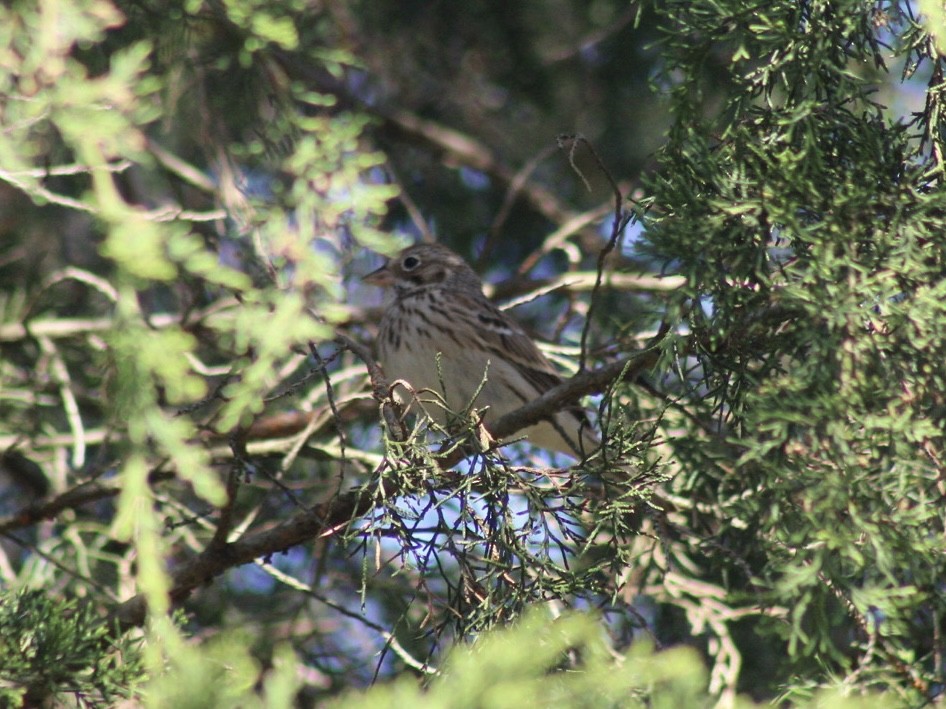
440,314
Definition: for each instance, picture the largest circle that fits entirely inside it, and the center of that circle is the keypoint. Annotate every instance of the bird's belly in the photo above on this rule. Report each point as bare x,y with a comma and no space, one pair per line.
456,380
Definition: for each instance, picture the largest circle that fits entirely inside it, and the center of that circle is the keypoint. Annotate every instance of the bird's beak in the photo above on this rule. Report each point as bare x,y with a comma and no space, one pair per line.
380,277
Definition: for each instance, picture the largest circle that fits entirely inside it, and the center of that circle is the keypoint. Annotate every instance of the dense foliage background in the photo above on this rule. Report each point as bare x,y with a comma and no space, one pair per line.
727,216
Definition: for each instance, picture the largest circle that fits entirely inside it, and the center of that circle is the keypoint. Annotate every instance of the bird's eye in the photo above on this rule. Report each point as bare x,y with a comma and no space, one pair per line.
410,263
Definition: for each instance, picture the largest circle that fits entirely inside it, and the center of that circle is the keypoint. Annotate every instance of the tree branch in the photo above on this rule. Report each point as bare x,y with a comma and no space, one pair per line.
76,497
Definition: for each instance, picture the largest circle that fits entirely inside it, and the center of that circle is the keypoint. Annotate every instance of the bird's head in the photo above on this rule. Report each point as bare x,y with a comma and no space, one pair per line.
423,266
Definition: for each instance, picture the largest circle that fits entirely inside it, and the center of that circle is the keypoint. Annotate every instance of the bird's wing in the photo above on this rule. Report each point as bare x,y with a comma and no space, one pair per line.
505,337
507,340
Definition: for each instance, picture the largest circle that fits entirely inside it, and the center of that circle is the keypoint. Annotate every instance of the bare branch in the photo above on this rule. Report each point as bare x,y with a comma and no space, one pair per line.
40,194
76,497
468,151
187,172
577,282
582,384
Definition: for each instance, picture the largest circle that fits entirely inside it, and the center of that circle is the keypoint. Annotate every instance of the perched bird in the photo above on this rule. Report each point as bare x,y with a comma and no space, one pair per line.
439,311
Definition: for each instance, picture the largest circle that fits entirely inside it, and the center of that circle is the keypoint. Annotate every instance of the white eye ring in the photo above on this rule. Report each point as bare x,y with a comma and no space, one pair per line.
410,263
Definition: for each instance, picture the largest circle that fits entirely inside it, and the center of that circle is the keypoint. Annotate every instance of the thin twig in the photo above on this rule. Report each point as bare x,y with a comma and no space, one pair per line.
515,188
573,225
41,194
389,638
618,223
413,211
50,559
578,282
184,170
321,368
67,170
69,404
